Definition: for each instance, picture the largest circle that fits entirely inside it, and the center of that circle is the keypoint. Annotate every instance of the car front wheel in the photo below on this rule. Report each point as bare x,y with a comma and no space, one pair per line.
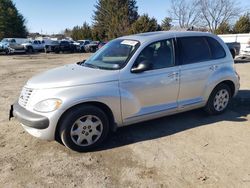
7,51
84,128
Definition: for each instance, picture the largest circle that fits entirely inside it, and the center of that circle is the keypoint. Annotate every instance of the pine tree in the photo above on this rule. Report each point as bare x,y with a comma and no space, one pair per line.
12,23
145,24
87,31
84,32
113,18
243,24
67,32
166,24
224,28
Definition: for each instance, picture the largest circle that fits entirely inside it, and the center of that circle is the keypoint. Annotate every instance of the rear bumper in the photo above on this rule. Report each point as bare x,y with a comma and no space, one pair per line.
28,118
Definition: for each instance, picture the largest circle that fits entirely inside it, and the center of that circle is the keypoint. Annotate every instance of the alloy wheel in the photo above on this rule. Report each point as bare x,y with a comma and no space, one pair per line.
86,130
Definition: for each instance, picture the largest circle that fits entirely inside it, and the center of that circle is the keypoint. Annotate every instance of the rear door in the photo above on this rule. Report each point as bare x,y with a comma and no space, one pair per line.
198,62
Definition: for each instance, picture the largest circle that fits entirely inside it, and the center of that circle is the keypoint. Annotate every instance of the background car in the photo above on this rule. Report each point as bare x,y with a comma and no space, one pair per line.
101,44
34,45
234,48
14,45
76,45
83,43
65,46
92,47
51,47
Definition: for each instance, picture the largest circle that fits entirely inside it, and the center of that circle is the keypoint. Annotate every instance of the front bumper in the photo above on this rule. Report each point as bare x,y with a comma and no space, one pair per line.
2,49
28,118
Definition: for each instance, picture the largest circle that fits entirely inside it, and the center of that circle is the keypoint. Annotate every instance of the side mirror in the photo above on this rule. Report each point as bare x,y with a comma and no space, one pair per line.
141,67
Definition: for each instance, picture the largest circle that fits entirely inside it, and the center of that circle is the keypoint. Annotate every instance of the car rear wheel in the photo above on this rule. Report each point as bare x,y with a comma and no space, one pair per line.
219,99
84,128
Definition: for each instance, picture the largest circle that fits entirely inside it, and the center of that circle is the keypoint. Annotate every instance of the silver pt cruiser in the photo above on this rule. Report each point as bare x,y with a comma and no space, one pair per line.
131,79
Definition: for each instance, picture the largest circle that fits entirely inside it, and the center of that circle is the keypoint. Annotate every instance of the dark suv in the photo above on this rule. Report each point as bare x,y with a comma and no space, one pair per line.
65,46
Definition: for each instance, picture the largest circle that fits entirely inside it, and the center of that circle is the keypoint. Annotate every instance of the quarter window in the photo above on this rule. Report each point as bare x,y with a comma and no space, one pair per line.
159,54
194,49
216,49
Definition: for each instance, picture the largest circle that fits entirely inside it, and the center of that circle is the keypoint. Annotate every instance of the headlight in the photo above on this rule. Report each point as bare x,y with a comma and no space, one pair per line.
48,105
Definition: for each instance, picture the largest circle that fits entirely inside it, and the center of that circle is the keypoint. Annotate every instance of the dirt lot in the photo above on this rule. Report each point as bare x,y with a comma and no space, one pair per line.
185,150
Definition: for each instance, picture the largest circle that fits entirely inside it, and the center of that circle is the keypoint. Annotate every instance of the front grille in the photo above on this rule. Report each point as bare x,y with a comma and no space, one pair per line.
24,96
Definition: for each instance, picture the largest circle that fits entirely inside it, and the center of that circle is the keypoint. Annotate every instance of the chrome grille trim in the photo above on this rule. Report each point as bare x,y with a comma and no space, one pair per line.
24,96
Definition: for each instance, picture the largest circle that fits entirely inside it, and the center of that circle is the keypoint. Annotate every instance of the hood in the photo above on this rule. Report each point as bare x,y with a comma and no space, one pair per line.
26,43
2,44
71,75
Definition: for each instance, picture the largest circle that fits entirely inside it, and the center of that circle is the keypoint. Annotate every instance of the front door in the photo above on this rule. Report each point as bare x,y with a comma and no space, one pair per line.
152,93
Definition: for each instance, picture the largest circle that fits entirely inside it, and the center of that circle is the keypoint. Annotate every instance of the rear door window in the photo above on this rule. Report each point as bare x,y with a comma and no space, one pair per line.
194,49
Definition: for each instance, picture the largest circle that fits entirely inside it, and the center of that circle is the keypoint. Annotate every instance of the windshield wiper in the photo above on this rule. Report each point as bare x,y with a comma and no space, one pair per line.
81,62
91,66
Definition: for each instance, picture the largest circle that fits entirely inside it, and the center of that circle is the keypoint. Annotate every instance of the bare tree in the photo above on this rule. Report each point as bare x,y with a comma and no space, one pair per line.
215,12
185,12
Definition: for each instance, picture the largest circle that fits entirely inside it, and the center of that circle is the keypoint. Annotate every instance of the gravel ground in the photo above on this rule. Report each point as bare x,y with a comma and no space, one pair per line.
185,150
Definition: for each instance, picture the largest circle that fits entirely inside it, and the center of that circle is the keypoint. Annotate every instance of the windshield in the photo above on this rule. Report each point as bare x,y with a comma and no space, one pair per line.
113,55
5,40
80,42
54,42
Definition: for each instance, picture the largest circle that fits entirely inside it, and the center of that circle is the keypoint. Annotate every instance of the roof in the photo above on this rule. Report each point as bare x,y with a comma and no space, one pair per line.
159,35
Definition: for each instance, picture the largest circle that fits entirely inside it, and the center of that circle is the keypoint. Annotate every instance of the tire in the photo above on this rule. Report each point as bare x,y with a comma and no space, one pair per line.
87,50
84,128
7,51
57,51
83,49
30,50
219,100
232,53
72,50
46,51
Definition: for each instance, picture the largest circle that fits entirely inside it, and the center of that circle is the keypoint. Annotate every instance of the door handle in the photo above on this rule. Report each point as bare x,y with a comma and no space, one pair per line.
213,68
173,74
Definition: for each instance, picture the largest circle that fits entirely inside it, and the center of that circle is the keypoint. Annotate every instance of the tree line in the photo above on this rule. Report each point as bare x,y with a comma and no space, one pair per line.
112,19
216,16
